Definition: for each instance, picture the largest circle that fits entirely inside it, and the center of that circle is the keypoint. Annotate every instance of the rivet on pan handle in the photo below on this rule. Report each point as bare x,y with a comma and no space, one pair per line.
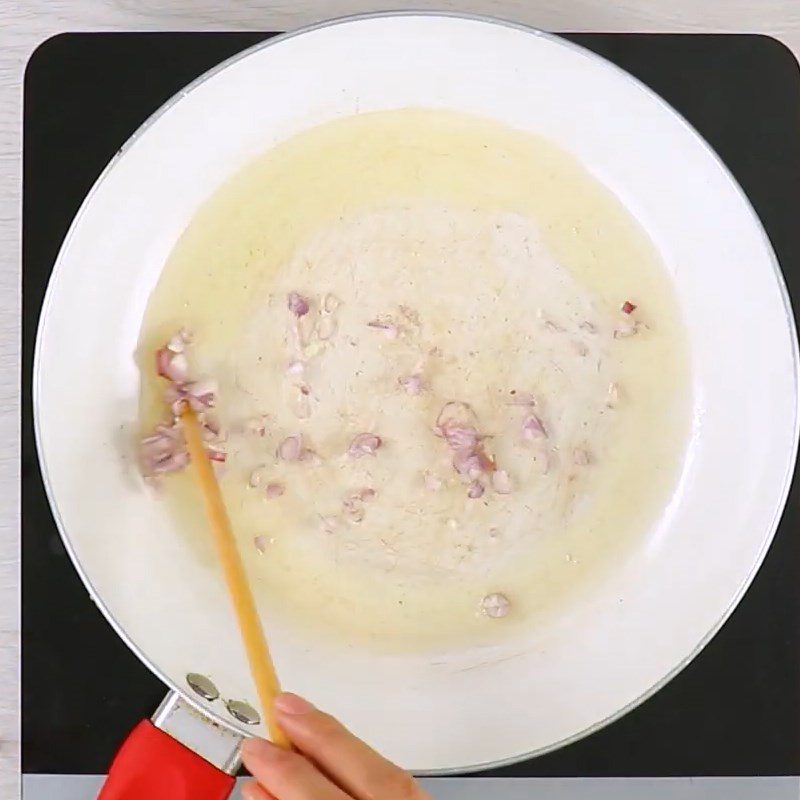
178,755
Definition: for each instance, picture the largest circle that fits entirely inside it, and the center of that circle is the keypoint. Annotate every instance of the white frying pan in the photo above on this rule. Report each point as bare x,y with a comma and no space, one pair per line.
466,709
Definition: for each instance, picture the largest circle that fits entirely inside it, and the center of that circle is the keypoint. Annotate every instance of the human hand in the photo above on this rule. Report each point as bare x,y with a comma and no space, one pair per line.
330,762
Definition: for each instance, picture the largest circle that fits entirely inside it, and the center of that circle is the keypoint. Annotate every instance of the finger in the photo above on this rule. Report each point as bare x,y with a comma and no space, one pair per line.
252,791
352,764
287,775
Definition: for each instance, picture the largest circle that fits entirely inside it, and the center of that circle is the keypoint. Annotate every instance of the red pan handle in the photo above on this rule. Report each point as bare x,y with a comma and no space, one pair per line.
152,765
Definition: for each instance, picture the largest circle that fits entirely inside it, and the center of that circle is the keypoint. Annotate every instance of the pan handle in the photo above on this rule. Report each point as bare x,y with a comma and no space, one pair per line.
178,755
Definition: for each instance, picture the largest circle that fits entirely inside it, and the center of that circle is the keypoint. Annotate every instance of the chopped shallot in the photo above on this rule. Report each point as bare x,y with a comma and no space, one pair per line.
291,448
455,414
628,307
203,391
466,462
210,426
296,368
364,444
177,343
495,605
533,428
461,438
164,451
261,543
501,482
613,395
297,304
475,490
215,454
200,395
172,365
273,490
457,425
412,384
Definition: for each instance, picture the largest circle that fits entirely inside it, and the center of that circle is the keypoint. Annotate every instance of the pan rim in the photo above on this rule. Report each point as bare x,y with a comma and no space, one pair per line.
770,529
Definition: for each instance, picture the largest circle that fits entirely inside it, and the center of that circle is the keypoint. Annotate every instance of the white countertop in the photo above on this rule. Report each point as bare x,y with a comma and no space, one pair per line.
27,23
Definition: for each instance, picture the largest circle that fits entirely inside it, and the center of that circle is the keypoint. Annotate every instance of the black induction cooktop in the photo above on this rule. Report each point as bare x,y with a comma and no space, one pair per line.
734,711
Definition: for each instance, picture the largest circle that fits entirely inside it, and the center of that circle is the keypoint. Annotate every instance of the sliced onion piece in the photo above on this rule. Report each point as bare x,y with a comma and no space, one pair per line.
215,454
162,452
412,384
296,368
495,605
172,366
455,414
533,428
460,438
476,490
178,341
467,462
364,444
501,482
201,394
274,489
297,304
291,448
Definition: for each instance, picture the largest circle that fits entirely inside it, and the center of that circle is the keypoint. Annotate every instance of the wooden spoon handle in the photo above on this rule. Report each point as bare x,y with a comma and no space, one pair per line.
255,644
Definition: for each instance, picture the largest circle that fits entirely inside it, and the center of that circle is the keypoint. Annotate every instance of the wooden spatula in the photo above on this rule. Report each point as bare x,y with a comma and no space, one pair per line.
255,644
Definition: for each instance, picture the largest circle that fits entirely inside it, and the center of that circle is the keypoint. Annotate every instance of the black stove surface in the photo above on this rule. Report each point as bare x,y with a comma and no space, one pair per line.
734,711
